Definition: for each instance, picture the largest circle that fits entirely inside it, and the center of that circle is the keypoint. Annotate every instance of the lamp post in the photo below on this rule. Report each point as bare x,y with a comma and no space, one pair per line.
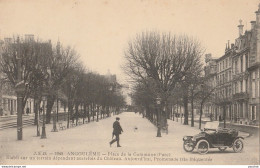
38,121
44,94
158,102
55,116
43,136
19,89
54,129
57,104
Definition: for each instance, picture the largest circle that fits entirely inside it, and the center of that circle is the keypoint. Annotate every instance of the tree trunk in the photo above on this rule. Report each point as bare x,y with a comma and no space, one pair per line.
77,112
88,114
36,109
173,113
97,112
192,113
93,112
85,112
186,112
201,105
70,112
50,102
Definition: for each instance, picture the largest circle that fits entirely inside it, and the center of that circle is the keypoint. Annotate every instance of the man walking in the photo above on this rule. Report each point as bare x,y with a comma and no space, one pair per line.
117,129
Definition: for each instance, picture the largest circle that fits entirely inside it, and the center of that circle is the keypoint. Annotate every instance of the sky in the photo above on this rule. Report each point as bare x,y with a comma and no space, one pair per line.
100,30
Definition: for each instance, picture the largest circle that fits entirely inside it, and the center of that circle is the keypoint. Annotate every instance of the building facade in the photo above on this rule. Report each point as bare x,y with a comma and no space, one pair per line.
237,93
8,97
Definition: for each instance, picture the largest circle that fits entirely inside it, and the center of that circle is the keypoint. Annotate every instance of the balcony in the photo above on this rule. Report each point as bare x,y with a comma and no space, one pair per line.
240,76
241,96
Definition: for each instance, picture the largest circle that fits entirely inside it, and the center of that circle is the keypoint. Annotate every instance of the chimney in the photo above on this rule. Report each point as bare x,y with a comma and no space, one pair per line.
253,23
28,37
232,45
240,28
258,16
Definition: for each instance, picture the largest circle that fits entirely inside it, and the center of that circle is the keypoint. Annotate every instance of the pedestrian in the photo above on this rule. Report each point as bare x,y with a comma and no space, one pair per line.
220,118
117,130
27,110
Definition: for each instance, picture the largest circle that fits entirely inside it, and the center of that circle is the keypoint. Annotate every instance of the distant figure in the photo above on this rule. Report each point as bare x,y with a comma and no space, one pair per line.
211,117
220,118
41,110
27,110
117,130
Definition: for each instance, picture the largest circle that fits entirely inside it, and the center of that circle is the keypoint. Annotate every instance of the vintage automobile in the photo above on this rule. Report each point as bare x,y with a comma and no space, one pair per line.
212,136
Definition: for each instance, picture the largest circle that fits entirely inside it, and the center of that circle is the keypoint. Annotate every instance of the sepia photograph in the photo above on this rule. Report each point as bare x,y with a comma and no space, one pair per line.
129,82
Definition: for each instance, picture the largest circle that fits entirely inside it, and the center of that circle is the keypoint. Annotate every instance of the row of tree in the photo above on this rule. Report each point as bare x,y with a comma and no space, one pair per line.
47,71
169,68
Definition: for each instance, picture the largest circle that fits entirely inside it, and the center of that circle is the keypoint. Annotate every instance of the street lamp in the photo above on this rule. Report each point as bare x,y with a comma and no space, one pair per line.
158,102
19,89
55,118
44,94
43,136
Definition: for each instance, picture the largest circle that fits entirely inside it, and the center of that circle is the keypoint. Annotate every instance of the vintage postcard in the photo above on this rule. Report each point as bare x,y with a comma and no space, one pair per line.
134,82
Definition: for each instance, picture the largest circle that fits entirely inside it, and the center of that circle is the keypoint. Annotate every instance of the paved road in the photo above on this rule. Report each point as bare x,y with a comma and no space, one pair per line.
88,144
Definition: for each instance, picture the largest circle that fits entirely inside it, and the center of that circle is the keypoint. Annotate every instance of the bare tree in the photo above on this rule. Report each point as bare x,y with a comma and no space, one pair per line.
61,62
206,92
34,58
164,58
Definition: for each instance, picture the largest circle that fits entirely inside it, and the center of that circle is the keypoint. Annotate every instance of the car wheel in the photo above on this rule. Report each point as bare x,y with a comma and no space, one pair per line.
203,146
222,149
188,147
238,145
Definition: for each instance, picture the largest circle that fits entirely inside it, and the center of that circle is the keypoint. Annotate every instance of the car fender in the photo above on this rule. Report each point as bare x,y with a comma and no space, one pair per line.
238,137
203,138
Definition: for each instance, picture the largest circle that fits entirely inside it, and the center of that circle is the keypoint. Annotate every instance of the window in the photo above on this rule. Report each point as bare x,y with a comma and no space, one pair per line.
227,77
258,89
246,61
253,112
241,86
241,63
226,63
219,66
246,85
253,89
236,67
253,75
226,92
